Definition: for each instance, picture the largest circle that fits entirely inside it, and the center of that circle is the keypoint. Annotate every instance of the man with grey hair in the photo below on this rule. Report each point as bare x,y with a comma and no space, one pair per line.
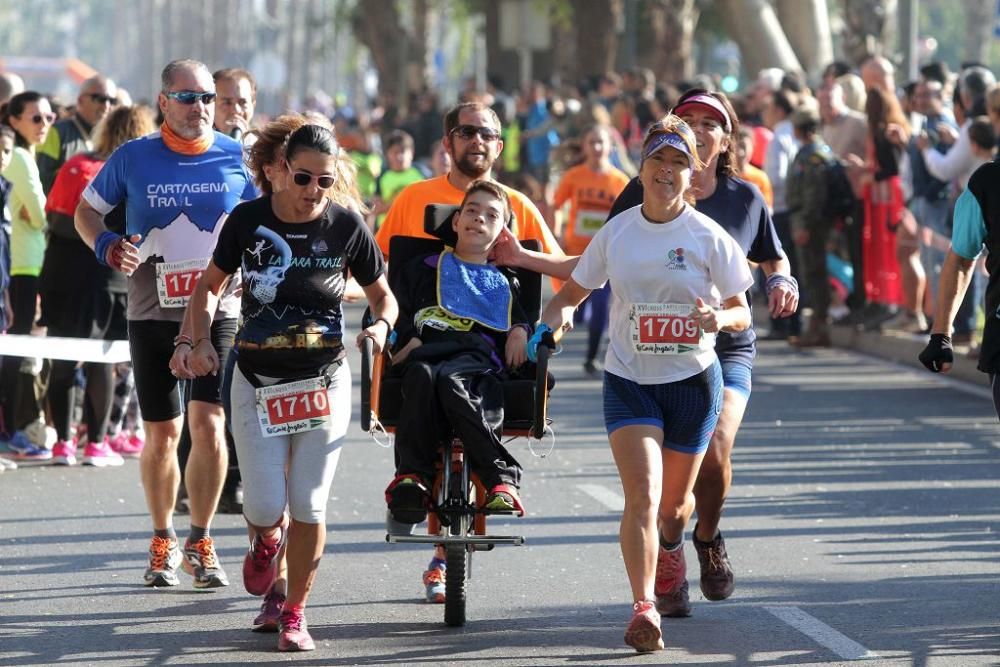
177,187
70,136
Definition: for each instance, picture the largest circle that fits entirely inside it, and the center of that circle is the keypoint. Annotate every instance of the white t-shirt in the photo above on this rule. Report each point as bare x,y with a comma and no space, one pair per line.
651,263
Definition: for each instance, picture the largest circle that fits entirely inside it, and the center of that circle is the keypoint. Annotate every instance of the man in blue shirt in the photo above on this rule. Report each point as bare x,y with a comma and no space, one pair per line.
178,186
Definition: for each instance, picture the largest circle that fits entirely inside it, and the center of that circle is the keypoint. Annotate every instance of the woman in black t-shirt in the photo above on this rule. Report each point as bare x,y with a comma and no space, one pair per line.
291,389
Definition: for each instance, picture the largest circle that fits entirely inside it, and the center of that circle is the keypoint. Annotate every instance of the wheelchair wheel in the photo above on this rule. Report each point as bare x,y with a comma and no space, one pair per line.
454,584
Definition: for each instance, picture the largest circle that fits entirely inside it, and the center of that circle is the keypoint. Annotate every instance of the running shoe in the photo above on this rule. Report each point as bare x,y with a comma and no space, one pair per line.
260,565
164,559
270,613
671,585
202,563
293,634
101,455
643,632
407,498
64,453
7,464
716,572
23,449
126,446
434,587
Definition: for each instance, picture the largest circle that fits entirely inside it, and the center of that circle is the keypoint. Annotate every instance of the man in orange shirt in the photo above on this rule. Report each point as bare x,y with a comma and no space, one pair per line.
472,139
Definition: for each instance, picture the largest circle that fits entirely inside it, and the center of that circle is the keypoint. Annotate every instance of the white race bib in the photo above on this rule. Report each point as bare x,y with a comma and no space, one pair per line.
175,281
663,328
293,407
589,223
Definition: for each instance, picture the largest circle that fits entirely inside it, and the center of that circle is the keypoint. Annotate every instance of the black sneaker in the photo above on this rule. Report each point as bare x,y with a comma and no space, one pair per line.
202,563
716,572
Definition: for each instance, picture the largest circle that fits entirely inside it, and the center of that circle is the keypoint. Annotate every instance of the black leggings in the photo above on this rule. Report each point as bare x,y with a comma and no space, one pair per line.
21,402
104,320
458,395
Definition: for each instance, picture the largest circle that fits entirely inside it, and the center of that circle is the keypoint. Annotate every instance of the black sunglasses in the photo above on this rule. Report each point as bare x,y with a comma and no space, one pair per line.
467,132
304,178
189,97
103,99
47,118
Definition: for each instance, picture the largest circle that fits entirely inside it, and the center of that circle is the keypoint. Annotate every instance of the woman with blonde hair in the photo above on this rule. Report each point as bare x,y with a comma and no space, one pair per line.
82,298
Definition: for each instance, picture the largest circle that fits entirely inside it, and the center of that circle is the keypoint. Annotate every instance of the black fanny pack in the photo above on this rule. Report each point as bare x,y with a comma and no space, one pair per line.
326,372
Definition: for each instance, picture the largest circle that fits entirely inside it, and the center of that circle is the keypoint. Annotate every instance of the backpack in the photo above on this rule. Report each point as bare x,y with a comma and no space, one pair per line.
840,200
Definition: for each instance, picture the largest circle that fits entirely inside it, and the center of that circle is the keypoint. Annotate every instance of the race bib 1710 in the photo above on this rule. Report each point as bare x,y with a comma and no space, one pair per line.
294,407
663,328
175,281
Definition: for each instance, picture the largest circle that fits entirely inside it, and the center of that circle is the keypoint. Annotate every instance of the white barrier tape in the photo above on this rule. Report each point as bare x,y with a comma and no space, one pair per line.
69,349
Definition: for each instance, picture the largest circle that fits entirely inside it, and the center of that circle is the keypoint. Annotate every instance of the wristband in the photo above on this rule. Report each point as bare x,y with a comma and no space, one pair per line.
776,279
105,240
538,338
388,325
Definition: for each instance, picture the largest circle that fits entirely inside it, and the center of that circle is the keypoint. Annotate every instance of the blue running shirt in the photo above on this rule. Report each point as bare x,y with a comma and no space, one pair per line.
178,204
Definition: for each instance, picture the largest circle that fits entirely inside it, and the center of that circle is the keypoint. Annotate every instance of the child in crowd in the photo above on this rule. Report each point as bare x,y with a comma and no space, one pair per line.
401,172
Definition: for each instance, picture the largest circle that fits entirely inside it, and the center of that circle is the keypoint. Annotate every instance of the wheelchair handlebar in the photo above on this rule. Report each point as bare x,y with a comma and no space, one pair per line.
367,358
539,416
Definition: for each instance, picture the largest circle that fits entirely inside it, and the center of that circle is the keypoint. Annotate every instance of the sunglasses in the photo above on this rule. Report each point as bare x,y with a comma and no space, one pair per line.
103,99
188,97
467,132
304,178
47,118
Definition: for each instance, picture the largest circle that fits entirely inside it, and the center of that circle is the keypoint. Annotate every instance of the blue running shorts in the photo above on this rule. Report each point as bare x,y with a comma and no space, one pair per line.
736,376
687,410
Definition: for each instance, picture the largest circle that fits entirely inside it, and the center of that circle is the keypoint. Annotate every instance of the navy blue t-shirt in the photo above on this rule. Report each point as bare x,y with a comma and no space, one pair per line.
741,210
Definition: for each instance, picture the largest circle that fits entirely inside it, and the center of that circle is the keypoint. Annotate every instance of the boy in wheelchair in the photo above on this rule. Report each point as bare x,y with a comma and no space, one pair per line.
460,329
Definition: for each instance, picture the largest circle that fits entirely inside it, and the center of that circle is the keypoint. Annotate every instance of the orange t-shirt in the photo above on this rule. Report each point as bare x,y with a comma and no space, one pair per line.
591,196
406,215
759,178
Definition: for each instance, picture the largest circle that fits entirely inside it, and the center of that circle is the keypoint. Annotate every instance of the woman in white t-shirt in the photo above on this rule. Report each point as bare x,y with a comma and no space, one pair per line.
677,278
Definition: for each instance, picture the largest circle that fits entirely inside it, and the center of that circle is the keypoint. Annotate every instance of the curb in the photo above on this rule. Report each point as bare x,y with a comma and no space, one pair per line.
903,348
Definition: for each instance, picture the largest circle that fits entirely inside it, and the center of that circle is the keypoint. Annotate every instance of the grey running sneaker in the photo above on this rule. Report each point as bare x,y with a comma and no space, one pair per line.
201,562
716,572
164,559
671,586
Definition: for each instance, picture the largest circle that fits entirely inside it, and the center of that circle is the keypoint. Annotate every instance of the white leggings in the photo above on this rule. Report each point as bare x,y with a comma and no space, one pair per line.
310,457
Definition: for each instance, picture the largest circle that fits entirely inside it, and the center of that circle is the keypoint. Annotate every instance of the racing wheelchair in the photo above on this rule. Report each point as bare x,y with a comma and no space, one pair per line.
457,517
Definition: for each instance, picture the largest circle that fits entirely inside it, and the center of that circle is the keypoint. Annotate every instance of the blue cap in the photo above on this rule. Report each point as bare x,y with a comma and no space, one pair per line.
671,139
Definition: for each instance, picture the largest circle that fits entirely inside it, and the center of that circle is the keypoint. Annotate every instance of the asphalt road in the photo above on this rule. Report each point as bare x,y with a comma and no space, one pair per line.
862,526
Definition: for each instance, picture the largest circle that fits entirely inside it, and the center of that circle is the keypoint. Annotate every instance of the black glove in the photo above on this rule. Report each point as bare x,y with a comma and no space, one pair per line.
938,351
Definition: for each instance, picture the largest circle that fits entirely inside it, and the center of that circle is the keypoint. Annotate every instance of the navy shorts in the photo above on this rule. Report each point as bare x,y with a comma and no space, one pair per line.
736,376
686,411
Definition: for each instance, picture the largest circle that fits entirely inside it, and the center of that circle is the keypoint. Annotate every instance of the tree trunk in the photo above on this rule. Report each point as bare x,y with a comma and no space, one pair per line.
672,23
377,26
596,23
754,26
868,26
565,63
807,25
979,16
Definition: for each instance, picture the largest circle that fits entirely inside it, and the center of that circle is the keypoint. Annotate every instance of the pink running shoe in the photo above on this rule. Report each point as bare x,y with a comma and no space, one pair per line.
671,585
270,613
260,565
64,453
292,632
101,456
127,446
643,632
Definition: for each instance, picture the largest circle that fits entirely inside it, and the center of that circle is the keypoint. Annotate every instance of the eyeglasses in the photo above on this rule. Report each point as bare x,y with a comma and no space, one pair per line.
304,178
467,132
103,99
47,118
189,97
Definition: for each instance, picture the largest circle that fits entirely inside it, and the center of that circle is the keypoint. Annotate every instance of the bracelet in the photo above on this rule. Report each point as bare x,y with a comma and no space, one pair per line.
183,338
183,342
200,341
388,325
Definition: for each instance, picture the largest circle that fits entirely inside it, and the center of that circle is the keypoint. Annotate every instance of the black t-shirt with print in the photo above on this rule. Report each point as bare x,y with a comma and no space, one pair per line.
293,282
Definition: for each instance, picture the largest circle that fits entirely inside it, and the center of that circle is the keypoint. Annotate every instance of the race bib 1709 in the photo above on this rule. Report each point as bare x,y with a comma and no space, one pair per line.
663,328
294,407
175,281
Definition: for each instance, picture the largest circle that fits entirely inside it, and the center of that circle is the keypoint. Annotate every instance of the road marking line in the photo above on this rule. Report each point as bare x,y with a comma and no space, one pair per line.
604,495
821,633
